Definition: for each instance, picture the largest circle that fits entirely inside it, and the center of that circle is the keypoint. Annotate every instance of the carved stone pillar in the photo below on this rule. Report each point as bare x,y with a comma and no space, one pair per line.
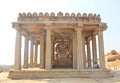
52,48
84,56
31,54
17,63
74,50
42,50
36,54
88,54
101,50
80,56
94,49
26,52
48,64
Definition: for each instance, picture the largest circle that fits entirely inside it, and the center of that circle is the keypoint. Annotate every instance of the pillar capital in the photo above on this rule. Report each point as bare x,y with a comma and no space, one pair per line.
36,42
42,33
80,24
89,38
17,26
31,39
103,26
79,29
47,26
95,32
99,29
26,34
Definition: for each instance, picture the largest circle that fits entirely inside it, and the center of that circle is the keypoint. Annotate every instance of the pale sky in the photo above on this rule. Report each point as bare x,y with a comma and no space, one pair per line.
9,9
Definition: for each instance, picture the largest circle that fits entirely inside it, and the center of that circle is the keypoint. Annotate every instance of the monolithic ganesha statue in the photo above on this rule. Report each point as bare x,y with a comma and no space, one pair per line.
62,50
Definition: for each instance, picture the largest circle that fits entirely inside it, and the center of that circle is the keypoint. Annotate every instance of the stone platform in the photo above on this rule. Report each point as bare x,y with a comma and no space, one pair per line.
57,73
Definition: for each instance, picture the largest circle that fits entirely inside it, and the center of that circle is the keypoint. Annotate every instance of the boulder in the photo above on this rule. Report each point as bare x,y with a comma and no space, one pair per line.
112,56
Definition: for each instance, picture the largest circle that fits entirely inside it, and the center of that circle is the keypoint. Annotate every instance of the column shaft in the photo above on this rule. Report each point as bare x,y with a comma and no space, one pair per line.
80,57
94,49
31,55
74,50
26,52
42,53
17,63
84,56
48,50
52,48
101,50
89,53
36,54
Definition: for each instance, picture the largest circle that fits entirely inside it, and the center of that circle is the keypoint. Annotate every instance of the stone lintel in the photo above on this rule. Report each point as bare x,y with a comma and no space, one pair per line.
56,22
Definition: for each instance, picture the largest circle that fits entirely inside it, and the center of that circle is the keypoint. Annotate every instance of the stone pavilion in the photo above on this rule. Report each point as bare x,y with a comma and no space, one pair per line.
70,45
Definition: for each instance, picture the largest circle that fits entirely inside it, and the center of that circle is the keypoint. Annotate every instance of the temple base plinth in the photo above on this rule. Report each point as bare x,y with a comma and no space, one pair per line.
58,73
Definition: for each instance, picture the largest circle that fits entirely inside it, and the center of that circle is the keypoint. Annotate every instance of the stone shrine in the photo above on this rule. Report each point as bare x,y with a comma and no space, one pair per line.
68,46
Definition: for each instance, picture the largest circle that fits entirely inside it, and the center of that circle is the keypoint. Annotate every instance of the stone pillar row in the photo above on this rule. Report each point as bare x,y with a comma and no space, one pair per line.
33,52
79,57
94,51
79,61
